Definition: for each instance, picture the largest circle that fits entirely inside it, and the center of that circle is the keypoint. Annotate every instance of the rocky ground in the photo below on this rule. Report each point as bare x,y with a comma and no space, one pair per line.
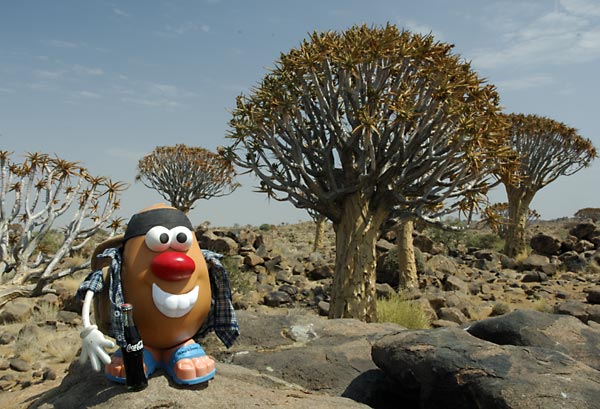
275,273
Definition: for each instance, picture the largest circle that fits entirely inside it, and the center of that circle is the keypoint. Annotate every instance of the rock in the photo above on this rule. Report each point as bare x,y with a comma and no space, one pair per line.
534,277
321,272
233,387
593,295
384,291
6,338
453,283
451,369
534,262
538,329
323,307
593,312
19,365
220,244
384,245
277,298
545,244
443,324
442,264
574,308
68,317
18,310
4,364
316,353
452,314
253,260
424,243
574,261
582,230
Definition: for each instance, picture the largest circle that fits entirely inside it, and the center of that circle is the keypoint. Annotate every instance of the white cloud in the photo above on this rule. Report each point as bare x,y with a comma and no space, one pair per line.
6,90
154,95
120,12
87,95
152,102
566,35
81,70
422,29
184,28
124,154
582,7
45,74
526,82
61,44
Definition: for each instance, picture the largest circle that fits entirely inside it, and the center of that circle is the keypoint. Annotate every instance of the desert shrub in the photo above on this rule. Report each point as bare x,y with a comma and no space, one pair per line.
265,227
542,305
451,238
44,312
51,242
239,279
484,241
62,350
399,310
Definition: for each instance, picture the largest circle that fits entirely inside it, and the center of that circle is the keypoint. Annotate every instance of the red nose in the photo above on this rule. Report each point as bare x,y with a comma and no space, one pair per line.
173,266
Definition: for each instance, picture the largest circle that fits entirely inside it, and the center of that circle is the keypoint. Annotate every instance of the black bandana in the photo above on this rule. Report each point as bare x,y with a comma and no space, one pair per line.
142,222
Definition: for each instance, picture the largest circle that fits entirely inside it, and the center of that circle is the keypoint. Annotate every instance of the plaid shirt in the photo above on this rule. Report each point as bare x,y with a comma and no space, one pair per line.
221,317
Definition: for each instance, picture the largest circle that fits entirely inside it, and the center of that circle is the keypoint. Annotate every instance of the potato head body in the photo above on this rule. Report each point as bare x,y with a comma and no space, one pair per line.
164,275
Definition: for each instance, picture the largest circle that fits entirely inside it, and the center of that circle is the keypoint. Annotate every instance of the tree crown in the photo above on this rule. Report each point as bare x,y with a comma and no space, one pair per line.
392,115
182,174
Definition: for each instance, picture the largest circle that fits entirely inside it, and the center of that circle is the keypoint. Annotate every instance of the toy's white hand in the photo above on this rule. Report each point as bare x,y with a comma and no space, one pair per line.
93,345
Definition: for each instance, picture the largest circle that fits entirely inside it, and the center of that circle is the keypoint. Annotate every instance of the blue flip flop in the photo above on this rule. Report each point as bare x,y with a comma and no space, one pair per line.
148,361
188,351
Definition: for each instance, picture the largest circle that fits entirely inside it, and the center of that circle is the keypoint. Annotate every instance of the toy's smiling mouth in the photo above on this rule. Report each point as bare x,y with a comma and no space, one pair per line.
174,305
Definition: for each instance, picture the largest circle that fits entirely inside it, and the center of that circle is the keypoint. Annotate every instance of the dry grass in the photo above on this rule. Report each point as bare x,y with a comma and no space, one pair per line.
62,349
542,305
398,310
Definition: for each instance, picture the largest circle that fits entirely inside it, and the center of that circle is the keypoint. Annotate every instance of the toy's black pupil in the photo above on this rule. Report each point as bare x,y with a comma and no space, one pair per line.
182,237
164,238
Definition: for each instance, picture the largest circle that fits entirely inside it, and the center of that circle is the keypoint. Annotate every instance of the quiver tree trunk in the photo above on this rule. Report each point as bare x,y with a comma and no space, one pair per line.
353,293
407,265
319,232
516,241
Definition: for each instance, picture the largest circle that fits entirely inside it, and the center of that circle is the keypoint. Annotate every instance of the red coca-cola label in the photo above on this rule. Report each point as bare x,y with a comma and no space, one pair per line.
135,347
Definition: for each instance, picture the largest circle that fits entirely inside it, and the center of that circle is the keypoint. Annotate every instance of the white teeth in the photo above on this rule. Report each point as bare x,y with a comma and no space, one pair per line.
174,305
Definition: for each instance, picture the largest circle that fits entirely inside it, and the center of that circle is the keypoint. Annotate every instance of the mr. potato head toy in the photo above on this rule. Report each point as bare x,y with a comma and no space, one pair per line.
178,292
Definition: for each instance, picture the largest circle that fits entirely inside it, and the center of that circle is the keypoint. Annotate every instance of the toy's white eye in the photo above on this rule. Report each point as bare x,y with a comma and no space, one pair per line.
181,238
158,238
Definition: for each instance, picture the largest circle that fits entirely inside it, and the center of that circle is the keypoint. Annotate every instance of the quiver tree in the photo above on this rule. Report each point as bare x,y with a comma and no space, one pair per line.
182,175
33,196
497,218
354,124
546,149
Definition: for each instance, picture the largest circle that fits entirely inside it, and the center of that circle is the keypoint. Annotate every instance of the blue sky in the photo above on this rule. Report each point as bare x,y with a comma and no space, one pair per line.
105,82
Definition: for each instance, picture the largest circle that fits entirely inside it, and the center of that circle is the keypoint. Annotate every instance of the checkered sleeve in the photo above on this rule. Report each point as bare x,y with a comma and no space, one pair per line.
93,282
221,318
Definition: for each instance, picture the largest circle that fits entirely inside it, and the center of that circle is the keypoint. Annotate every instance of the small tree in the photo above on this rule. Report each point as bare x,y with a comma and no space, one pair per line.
182,175
320,221
497,218
546,150
33,195
357,123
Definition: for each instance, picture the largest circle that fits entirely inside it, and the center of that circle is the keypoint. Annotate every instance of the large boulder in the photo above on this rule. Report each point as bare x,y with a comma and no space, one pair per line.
562,333
232,387
317,353
450,368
